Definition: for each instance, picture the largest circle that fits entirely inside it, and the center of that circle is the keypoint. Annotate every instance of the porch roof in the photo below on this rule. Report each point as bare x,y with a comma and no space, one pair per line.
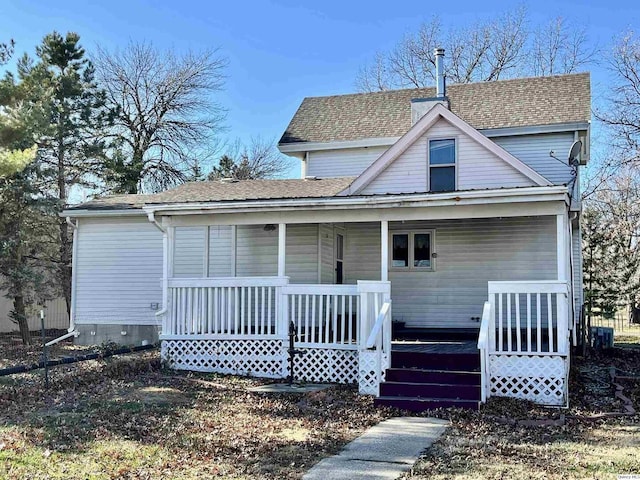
303,195
224,191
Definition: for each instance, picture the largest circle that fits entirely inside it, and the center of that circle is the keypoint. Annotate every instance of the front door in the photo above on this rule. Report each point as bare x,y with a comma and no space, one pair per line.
339,257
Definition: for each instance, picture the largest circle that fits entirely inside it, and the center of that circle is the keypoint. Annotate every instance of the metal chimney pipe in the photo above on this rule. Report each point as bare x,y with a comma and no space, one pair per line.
440,87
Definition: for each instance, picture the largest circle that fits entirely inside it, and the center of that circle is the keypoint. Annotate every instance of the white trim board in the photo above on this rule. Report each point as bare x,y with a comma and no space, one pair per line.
420,128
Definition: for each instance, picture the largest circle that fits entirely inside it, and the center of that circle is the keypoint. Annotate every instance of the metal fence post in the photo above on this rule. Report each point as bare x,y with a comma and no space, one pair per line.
44,351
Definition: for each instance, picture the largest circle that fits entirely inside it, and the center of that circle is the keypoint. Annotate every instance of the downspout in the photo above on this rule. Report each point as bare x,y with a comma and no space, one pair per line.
165,279
71,332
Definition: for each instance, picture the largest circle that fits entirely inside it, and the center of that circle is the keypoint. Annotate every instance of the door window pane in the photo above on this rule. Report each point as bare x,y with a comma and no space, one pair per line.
442,152
422,250
442,179
400,255
339,247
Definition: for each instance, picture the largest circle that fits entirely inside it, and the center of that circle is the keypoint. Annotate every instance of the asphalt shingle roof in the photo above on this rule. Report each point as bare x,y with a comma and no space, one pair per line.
519,102
221,191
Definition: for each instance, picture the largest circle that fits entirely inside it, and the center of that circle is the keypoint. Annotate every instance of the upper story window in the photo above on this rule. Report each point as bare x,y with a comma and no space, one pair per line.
442,165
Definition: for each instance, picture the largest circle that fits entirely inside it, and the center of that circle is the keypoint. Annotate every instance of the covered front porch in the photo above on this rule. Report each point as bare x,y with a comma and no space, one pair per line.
236,284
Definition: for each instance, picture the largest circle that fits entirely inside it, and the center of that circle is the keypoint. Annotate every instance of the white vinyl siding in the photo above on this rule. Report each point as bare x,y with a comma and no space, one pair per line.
220,251
470,254
118,271
362,252
302,253
256,251
534,151
188,251
345,162
576,245
477,167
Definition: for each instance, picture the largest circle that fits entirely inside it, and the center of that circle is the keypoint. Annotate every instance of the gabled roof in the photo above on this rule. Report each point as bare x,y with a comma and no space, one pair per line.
223,191
437,112
520,102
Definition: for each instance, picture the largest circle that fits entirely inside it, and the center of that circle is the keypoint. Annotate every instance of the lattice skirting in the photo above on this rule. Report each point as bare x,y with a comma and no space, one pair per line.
542,379
367,371
258,358
261,358
327,365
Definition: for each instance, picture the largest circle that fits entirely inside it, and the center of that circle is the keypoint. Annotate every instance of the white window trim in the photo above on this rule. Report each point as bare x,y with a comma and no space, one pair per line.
455,164
411,234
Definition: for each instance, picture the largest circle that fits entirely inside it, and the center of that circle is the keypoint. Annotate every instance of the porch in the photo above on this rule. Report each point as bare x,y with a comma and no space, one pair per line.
335,287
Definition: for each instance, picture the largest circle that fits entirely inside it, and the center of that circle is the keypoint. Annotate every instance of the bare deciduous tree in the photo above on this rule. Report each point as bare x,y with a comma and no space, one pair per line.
622,112
557,48
486,51
259,159
611,239
166,114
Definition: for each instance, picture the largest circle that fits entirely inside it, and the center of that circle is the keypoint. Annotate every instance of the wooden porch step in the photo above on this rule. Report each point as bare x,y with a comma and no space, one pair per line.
418,404
428,375
430,390
451,377
468,362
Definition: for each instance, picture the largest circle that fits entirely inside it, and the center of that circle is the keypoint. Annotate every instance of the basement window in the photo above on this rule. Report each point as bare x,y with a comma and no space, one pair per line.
412,250
442,165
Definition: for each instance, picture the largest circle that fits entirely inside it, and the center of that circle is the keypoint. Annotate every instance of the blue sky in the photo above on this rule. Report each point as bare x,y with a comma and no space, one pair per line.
280,51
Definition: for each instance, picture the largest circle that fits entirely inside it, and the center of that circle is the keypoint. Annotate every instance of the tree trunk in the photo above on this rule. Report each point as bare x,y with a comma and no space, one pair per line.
65,243
20,315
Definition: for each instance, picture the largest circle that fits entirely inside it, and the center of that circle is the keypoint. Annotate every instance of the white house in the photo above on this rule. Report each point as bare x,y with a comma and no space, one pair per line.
450,211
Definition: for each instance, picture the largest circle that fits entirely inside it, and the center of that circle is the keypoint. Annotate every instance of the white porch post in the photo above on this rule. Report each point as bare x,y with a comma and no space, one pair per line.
562,267
561,247
282,248
384,250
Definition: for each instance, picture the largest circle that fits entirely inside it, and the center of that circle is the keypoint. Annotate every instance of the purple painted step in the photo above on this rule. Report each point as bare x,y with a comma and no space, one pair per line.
440,361
421,404
430,390
432,376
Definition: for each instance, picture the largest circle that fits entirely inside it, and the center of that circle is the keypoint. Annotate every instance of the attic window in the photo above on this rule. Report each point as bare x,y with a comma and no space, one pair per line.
442,165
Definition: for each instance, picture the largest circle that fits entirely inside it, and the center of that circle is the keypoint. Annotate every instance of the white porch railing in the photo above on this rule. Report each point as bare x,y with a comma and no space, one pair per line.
241,324
524,341
323,314
235,307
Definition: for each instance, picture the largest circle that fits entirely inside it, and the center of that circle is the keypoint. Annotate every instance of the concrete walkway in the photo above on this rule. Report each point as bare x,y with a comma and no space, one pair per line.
384,451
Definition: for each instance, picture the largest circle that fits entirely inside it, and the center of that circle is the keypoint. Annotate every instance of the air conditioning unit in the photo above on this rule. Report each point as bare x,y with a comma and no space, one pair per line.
601,337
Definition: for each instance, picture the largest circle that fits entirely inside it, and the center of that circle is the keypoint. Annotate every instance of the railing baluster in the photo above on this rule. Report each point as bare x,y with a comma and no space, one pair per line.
256,313
539,324
529,322
270,316
343,325
518,331
335,318
500,332
550,322
306,317
327,312
299,313
313,318
236,319
358,313
509,349
262,317
242,308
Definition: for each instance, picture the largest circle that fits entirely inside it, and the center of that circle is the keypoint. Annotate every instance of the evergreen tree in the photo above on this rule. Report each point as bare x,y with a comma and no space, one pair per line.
28,247
73,115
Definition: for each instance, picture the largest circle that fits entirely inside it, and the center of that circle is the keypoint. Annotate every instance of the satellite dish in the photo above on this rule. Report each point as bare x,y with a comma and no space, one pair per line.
574,152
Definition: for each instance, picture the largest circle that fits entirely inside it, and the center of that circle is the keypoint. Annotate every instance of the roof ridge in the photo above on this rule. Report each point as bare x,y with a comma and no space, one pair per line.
455,85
